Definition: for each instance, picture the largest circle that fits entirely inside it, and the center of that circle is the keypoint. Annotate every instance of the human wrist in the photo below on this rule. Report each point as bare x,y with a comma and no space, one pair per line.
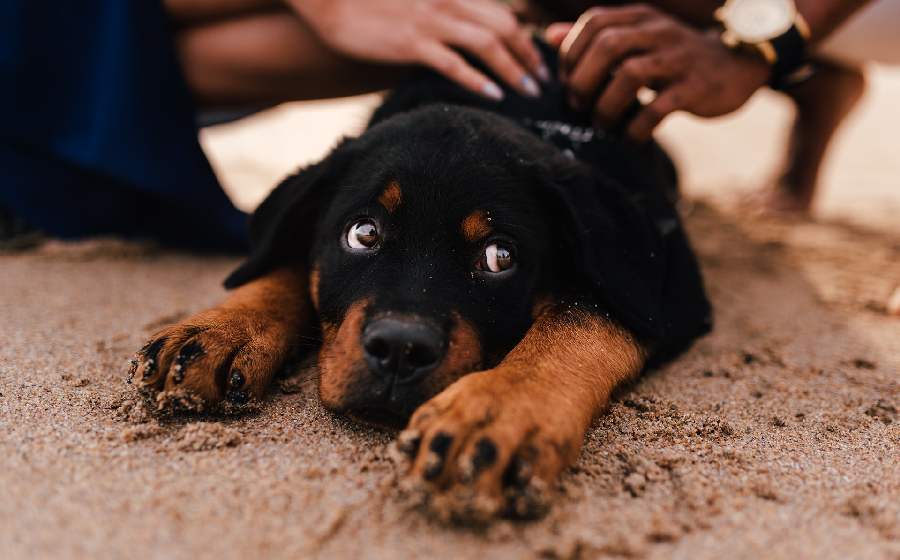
776,33
753,67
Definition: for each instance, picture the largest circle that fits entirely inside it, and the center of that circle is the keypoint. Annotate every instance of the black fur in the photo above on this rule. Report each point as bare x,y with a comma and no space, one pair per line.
591,215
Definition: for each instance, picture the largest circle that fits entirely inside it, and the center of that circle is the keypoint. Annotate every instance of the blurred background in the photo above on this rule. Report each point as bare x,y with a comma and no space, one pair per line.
718,158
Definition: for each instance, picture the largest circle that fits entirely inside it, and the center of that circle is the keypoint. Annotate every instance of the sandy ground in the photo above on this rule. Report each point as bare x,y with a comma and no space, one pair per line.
776,436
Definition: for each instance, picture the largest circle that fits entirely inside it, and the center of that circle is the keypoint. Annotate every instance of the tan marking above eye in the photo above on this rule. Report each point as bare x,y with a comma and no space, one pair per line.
476,226
391,197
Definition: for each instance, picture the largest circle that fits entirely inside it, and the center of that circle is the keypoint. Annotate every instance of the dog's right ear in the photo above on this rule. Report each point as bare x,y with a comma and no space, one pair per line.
282,229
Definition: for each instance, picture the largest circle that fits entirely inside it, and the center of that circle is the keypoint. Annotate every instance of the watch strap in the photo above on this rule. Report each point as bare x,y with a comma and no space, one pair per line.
792,56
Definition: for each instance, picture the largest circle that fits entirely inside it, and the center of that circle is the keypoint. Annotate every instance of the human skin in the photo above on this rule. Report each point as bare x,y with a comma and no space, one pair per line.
612,52
259,52
239,52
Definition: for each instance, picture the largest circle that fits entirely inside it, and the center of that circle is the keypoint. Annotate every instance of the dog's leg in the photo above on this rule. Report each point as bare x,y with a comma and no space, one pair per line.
233,350
521,423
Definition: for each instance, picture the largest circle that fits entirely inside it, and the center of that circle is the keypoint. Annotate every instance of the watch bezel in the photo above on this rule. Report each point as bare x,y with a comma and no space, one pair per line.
725,14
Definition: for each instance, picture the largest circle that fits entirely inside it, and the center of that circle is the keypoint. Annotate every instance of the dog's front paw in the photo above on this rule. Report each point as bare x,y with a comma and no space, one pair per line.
220,355
491,444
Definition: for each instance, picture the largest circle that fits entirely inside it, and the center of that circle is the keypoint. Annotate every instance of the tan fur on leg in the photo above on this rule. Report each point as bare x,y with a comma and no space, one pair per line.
526,417
233,350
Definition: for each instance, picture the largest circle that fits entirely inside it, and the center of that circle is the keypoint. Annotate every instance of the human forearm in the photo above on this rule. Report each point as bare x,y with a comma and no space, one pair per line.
194,12
823,16
268,59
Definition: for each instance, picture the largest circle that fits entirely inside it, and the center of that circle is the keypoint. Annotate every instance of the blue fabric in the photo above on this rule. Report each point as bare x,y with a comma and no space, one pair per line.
97,127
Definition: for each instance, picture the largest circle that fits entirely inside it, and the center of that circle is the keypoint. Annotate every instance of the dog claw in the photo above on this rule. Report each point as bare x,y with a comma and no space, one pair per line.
236,380
485,454
149,369
132,369
434,464
408,441
188,353
441,443
238,397
434,461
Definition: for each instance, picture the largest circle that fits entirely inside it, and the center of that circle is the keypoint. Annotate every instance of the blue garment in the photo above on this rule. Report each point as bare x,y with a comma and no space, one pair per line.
97,127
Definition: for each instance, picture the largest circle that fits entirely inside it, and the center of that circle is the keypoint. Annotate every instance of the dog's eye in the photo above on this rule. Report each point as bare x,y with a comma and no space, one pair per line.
363,234
496,258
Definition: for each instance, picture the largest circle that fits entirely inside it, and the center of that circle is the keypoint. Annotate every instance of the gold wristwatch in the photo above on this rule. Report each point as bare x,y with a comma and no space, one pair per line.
773,29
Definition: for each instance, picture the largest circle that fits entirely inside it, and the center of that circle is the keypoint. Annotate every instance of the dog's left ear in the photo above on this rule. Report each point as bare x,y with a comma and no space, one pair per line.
630,247
283,227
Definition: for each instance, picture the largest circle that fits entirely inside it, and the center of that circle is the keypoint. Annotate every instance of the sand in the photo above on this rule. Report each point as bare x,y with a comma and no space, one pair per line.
776,436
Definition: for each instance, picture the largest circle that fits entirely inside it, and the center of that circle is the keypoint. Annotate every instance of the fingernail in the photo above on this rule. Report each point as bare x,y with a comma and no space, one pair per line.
530,87
543,73
492,91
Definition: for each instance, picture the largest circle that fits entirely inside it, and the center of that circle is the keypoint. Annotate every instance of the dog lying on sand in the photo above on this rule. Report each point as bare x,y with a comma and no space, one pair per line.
484,274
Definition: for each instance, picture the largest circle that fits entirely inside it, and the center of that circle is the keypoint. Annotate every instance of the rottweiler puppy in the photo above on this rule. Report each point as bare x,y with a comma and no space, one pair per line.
483,273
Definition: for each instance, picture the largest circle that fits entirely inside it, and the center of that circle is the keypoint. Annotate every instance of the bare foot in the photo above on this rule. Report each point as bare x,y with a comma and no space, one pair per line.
777,201
786,201
823,102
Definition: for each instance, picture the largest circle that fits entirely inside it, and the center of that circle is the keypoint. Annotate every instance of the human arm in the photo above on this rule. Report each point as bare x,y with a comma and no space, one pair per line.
428,32
611,53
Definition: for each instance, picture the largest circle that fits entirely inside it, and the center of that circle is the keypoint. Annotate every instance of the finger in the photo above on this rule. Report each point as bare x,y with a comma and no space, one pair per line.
592,22
556,32
631,75
501,20
490,48
673,99
606,51
522,45
454,67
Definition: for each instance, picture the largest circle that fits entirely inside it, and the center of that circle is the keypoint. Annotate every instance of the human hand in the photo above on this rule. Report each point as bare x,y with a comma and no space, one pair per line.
609,54
426,32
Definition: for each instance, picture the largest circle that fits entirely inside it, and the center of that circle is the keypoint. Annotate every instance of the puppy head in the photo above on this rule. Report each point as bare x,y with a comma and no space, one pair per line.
427,244
430,239
425,263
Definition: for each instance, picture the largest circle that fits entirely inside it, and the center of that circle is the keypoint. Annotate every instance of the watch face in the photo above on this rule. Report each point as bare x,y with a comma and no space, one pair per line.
759,20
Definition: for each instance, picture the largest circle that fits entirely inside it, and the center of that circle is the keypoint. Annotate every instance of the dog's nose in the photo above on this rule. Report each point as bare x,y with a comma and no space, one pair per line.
405,348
